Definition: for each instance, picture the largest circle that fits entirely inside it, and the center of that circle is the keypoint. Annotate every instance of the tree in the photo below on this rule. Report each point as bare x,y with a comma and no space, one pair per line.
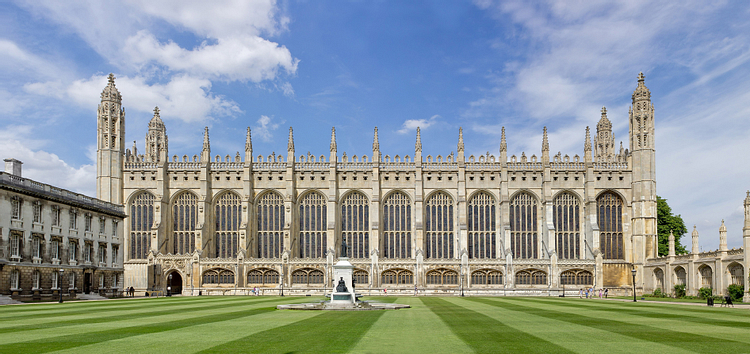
666,221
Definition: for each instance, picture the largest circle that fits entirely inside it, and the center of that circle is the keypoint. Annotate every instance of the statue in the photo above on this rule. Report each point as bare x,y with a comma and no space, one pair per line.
341,287
344,249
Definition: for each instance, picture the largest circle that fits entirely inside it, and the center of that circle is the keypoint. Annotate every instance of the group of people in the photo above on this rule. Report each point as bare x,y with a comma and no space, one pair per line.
591,293
130,291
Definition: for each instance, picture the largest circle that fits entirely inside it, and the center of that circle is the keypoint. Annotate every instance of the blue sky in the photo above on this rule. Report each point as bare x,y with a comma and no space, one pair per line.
396,65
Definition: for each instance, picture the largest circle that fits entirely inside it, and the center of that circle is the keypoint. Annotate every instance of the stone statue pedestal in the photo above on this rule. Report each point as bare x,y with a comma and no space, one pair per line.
343,291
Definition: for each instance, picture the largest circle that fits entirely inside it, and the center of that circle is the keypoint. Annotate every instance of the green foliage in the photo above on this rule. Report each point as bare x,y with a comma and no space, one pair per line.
705,293
657,293
736,291
666,221
679,290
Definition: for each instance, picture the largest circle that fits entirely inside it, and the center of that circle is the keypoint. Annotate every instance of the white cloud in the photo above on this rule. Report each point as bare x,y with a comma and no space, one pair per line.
233,48
410,125
185,98
43,166
586,54
234,58
265,127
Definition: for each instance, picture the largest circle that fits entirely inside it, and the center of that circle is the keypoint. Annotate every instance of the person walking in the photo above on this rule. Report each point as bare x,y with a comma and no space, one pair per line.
580,293
415,289
606,292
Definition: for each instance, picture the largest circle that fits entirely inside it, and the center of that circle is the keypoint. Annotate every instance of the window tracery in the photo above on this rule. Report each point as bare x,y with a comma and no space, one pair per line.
307,276
397,226
609,213
439,226
486,277
312,226
141,219
566,218
523,226
263,276
228,219
442,276
270,225
218,276
576,277
355,224
531,277
397,277
481,223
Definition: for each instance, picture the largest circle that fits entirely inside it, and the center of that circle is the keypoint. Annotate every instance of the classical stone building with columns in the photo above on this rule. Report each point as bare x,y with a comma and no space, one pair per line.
53,240
715,269
538,223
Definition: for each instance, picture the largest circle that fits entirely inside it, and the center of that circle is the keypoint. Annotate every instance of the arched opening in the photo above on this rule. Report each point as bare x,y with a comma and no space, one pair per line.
659,279
175,283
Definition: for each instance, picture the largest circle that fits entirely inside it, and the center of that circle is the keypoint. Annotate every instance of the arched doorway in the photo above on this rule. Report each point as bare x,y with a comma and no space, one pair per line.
175,283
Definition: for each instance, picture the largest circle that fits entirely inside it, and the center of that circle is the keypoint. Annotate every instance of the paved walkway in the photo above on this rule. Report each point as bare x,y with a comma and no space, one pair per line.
741,305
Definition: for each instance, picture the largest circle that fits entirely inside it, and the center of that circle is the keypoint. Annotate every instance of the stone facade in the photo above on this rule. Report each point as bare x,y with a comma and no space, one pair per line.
489,224
45,229
717,269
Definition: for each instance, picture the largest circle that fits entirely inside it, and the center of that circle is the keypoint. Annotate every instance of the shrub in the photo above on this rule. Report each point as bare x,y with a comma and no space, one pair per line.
657,293
679,290
736,291
706,292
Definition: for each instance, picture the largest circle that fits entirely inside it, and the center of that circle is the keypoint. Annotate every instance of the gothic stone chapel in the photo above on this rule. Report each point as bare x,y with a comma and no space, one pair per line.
513,225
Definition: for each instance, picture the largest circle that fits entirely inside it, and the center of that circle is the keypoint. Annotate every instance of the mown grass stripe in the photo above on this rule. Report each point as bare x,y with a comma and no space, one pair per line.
50,334
74,308
142,313
689,341
413,330
196,338
86,338
330,332
661,313
487,335
571,336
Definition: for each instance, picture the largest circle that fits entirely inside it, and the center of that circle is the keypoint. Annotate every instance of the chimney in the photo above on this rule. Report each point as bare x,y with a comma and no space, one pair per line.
13,167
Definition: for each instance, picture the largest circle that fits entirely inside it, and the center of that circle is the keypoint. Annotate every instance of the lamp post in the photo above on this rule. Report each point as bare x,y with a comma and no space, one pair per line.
282,284
169,284
462,280
59,283
632,271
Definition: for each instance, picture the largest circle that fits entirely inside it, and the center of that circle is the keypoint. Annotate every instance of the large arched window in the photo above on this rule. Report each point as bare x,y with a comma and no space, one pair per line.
531,277
523,226
185,217
355,224
360,277
397,277
566,218
312,226
397,226
486,277
707,276
307,276
576,277
263,276
735,273
609,210
439,226
141,220
228,219
481,220
442,277
270,225
218,276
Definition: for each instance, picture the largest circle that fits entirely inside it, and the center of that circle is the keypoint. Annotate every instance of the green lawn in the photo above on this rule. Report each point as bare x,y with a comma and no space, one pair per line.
432,325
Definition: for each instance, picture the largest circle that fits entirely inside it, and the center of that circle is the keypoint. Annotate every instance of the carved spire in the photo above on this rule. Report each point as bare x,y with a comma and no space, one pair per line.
747,198
156,139
722,236
696,247
545,141
376,141
418,145
503,143
156,121
290,144
641,118
604,142
110,92
587,143
248,141
460,147
333,139
206,142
